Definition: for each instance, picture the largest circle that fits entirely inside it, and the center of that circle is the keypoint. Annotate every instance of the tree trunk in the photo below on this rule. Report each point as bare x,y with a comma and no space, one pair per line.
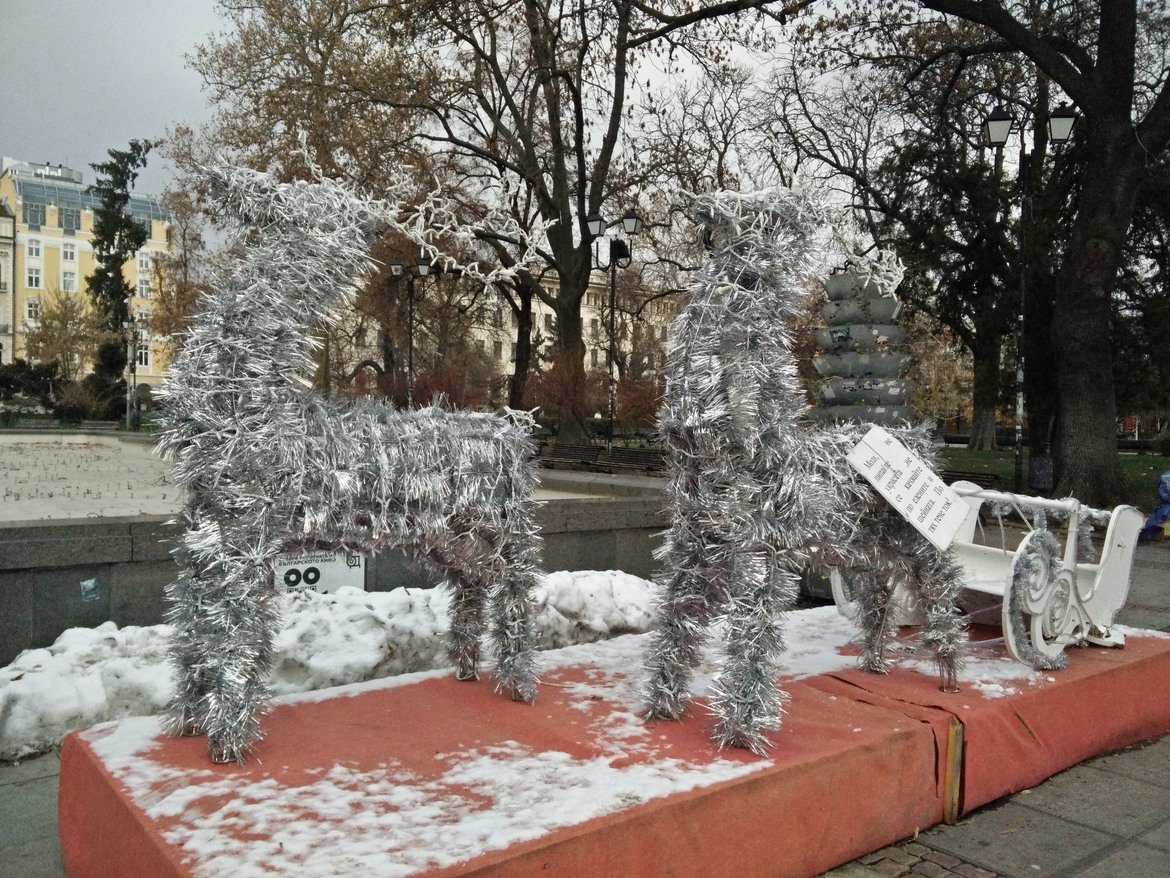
985,354
1039,365
523,364
569,372
1086,462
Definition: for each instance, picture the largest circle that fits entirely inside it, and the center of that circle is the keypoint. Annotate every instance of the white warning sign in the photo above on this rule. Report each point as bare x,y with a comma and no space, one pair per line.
325,572
910,486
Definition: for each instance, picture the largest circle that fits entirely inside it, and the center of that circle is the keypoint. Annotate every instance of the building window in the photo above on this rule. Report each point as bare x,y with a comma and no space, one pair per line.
145,264
498,349
595,326
513,353
144,354
498,317
32,309
69,218
593,357
143,288
68,252
69,281
548,322
33,278
481,344
34,215
34,248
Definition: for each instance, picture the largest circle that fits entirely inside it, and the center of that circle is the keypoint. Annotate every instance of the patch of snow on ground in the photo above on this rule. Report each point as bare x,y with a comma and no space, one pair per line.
90,675
1141,632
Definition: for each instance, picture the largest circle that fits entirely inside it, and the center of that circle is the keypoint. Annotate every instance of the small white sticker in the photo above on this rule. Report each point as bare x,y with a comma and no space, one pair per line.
324,572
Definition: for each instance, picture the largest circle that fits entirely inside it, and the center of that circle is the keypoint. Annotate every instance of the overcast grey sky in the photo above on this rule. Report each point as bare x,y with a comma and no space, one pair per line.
78,77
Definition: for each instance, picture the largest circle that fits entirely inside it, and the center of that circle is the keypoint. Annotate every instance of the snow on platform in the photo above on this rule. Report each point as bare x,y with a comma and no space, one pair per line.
423,774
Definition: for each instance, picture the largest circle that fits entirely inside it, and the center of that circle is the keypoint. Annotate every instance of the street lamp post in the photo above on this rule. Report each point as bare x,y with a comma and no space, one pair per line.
619,255
997,127
130,329
424,268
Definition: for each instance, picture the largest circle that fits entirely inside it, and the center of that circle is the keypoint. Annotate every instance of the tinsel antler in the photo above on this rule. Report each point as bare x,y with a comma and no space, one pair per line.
268,466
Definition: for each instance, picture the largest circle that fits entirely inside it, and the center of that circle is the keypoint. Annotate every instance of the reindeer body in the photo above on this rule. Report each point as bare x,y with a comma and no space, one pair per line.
755,493
269,466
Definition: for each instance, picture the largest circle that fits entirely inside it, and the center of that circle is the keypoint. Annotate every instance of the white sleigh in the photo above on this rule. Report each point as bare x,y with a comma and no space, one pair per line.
1047,599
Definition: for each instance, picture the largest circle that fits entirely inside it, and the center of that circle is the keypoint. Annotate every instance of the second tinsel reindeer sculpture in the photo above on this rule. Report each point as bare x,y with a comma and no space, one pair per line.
269,466
755,492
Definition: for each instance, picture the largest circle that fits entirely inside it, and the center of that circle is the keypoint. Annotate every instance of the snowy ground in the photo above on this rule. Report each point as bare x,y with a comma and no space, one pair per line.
76,476
90,675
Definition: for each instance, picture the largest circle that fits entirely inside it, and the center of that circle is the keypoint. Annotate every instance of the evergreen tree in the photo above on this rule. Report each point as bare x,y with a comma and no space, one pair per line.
117,236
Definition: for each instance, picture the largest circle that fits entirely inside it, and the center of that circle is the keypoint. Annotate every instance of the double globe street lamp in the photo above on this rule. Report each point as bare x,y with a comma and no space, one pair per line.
997,128
620,255
396,270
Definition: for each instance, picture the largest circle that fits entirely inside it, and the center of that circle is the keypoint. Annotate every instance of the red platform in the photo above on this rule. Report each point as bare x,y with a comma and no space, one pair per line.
424,774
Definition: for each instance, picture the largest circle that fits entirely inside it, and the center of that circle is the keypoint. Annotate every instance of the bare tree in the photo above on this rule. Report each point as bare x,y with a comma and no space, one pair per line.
467,92
66,332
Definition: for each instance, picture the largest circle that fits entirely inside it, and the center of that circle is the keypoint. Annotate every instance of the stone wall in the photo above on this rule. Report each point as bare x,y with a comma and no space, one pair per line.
63,574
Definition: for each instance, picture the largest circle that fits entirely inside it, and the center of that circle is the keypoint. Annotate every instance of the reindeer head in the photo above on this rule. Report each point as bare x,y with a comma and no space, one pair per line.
761,222
766,243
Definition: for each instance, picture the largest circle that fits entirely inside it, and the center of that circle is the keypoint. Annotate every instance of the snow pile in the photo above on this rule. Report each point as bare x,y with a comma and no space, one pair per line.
94,674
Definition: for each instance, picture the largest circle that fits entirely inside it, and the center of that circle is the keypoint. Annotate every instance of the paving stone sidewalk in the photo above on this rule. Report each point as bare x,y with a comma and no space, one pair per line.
1108,817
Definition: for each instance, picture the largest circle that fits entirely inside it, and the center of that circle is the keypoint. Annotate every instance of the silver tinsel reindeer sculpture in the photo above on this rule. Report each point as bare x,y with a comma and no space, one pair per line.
270,466
755,492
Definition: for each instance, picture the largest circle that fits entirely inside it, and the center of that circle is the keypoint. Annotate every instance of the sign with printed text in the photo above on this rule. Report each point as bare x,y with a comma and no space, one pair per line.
910,486
324,572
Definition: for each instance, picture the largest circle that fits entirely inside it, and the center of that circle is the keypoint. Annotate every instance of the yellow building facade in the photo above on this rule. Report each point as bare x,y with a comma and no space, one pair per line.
50,253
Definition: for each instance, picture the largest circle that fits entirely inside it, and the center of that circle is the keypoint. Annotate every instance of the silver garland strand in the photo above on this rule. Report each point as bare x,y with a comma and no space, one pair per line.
754,492
268,466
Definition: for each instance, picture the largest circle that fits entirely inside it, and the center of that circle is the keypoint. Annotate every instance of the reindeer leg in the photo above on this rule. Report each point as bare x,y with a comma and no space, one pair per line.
239,625
468,602
745,696
938,578
189,651
697,586
872,589
469,593
513,632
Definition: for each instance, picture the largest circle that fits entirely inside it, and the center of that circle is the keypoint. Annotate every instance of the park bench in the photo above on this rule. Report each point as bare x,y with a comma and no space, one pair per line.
38,424
983,480
570,456
641,459
106,426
